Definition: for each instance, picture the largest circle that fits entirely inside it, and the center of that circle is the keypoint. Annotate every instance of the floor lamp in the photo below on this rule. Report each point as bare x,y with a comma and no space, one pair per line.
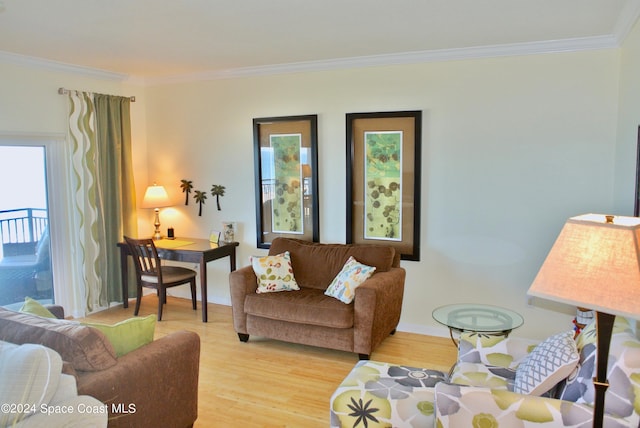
156,197
595,263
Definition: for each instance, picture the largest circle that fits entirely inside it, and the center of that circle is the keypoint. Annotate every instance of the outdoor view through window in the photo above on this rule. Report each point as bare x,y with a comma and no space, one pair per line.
25,262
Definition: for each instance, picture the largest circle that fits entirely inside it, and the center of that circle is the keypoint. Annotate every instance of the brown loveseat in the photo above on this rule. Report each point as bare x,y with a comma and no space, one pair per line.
153,386
308,316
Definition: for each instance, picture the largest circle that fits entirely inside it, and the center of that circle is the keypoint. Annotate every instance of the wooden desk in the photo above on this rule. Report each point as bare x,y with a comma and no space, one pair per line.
199,251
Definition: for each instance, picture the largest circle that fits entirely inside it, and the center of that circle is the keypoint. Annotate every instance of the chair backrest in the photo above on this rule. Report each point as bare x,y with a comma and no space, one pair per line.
145,257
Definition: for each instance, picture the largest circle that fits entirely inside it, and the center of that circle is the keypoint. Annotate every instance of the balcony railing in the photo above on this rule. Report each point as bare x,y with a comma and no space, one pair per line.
21,229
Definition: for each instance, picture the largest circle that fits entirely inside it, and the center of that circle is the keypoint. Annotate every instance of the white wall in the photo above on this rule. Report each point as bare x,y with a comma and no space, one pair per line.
512,147
32,110
628,122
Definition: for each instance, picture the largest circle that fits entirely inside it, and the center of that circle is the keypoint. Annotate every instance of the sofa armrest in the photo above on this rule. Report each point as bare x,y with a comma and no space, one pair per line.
492,350
241,282
56,310
377,308
458,406
155,385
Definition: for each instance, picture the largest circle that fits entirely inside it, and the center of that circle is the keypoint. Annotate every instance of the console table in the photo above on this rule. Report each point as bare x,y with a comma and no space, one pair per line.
194,250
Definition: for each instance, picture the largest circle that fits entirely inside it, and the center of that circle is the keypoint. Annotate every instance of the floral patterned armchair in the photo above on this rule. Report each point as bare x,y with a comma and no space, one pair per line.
485,397
489,386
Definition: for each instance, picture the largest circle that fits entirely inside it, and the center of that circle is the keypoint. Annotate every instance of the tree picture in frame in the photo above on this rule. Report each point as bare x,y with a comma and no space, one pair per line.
286,174
287,211
383,180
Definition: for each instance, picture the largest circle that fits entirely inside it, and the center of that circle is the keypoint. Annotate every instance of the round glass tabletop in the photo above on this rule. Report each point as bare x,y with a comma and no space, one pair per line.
478,318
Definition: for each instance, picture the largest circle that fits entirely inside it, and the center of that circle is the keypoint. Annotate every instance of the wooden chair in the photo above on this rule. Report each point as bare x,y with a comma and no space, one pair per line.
150,273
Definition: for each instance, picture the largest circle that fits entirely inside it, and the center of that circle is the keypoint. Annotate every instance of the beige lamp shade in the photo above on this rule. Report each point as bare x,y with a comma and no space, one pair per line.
594,264
155,197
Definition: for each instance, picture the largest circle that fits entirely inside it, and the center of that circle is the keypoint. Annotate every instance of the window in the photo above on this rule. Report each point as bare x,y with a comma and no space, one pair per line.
33,220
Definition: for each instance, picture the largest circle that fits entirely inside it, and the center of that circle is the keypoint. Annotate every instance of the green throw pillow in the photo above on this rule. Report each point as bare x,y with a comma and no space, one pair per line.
128,335
34,307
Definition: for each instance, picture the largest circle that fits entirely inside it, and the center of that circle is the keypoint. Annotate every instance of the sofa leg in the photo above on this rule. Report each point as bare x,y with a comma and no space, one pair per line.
363,356
243,337
393,332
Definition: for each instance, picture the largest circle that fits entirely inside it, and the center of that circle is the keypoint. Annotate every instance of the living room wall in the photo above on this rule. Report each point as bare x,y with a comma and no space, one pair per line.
512,147
32,109
628,122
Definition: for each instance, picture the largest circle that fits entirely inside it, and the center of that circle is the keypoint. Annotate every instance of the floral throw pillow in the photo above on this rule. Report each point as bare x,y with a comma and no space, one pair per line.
353,273
274,273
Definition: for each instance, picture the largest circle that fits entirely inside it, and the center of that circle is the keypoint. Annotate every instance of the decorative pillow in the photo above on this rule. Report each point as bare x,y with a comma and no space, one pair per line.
548,364
30,375
274,273
128,335
34,307
87,349
353,273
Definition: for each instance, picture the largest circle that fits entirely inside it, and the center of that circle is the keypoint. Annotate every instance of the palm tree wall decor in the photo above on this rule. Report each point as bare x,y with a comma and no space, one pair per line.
186,186
217,191
200,197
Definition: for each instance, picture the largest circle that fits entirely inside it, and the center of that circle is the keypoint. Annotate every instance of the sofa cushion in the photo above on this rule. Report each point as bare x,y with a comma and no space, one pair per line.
307,306
548,364
479,374
315,264
86,348
128,335
30,375
274,273
623,369
353,274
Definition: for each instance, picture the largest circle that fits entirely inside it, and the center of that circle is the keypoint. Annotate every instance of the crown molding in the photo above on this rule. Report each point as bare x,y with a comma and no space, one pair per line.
626,20
403,58
49,65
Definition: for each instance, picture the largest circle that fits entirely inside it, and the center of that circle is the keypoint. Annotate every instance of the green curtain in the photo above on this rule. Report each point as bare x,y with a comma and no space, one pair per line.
104,191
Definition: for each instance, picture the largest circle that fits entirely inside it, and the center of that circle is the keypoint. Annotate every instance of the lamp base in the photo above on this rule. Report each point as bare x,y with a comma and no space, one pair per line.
157,235
604,330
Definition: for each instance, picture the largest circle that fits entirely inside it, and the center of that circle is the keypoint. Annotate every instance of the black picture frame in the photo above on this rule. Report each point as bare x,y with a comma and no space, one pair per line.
383,187
636,199
286,178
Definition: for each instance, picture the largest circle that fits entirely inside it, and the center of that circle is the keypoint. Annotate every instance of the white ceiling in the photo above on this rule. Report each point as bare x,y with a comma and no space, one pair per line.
161,39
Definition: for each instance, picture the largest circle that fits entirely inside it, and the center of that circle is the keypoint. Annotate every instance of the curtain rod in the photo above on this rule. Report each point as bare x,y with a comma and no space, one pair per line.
63,91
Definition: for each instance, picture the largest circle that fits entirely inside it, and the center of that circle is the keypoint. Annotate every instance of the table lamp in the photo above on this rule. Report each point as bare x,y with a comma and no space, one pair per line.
595,263
156,197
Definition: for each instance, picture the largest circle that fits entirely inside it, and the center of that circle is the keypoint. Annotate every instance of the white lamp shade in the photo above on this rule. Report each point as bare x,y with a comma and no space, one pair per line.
594,264
155,197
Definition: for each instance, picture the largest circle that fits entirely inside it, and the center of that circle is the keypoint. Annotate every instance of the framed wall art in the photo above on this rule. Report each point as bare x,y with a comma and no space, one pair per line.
383,180
636,199
286,174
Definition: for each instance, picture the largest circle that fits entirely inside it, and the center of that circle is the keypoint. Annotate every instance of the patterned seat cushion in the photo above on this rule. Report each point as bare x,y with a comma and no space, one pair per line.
382,394
623,371
478,374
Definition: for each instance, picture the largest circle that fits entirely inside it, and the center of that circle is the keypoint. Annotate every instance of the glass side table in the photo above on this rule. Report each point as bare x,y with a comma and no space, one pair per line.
477,318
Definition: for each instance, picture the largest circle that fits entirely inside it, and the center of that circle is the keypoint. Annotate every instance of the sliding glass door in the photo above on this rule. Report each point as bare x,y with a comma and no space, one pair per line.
25,245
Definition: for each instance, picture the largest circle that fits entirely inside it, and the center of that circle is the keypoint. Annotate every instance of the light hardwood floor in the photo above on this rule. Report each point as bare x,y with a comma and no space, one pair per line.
267,383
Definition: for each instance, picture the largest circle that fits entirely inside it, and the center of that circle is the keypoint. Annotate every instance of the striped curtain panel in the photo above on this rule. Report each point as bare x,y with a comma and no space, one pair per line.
103,191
